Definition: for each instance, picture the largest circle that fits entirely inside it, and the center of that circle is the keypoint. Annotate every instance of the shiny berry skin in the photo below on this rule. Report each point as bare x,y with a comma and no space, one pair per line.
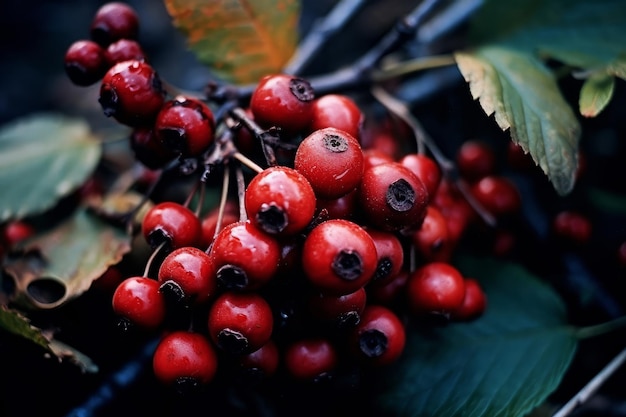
138,302
426,169
475,159
389,254
435,288
432,240
184,360
372,157
123,50
474,302
262,363
188,275
148,150
332,161
280,201
311,360
338,111
341,311
283,101
572,227
114,21
172,223
240,322
390,292
132,93
85,63
498,195
185,125
210,223
392,197
245,257
380,337
339,257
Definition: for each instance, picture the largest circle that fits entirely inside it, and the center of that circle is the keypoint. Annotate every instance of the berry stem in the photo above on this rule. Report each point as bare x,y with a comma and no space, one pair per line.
261,134
247,161
151,259
241,190
223,199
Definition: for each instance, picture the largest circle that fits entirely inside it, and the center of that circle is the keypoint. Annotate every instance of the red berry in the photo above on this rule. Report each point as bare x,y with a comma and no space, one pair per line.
171,223
123,50
138,301
280,201
114,21
311,359
240,322
390,292
436,288
392,197
572,227
341,311
148,149
498,195
210,222
262,363
380,337
339,257
185,125
85,63
132,93
188,275
372,157
475,159
245,257
283,101
16,231
185,360
426,169
332,161
337,208
474,302
431,240
389,254
338,111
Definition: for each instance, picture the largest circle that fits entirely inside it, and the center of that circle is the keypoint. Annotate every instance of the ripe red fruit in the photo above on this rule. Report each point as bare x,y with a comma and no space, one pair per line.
148,149
283,101
16,231
123,50
210,220
432,240
240,322
572,227
132,93
392,197
339,257
435,288
114,21
341,311
172,223
85,63
187,274
332,161
474,302
498,195
185,125
260,364
389,254
338,111
380,337
280,201
138,301
426,169
184,360
310,359
475,160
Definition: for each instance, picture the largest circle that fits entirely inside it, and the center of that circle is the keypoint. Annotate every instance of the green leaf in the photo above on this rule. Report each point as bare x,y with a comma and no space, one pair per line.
503,364
524,97
240,40
14,322
595,94
579,33
61,264
43,158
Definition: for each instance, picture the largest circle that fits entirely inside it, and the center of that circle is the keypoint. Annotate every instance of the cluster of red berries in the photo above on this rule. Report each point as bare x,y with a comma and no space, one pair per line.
324,258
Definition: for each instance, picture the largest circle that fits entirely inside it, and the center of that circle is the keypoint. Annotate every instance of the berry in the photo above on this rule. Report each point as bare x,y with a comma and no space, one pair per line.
187,274
498,195
240,322
123,50
392,197
431,240
337,208
210,221
389,254
380,336
280,201
426,169
171,223
184,360
332,161
260,364
85,63
245,257
338,111
148,150
475,160
16,231
283,101
132,93
138,301
341,311
435,288
312,359
390,292
474,302
185,125
339,257
572,227
372,157
114,21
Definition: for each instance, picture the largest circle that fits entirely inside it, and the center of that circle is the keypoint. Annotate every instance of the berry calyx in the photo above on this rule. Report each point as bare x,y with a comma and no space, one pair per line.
380,337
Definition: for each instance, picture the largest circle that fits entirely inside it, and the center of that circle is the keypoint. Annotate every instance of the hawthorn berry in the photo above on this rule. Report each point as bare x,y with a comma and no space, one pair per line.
341,311
380,336
338,111
123,50
474,302
114,21
184,360
572,227
389,253
85,63
311,359
209,222
260,364
332,161
435,288
148,150
138,302
498,195
171,223
431,240
426,169
187,275
475,159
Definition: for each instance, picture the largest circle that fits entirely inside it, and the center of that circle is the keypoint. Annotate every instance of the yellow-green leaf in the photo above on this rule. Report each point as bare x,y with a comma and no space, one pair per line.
240,40
595,94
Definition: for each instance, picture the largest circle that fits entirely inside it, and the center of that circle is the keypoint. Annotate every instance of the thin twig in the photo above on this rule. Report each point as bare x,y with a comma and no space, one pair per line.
414,65
152,257
592,386
241,191
223,199
247,161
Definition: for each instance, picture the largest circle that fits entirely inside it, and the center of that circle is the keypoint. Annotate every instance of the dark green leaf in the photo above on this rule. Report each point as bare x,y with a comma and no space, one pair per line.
14,322
61,264
503,364
240,40
43,158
